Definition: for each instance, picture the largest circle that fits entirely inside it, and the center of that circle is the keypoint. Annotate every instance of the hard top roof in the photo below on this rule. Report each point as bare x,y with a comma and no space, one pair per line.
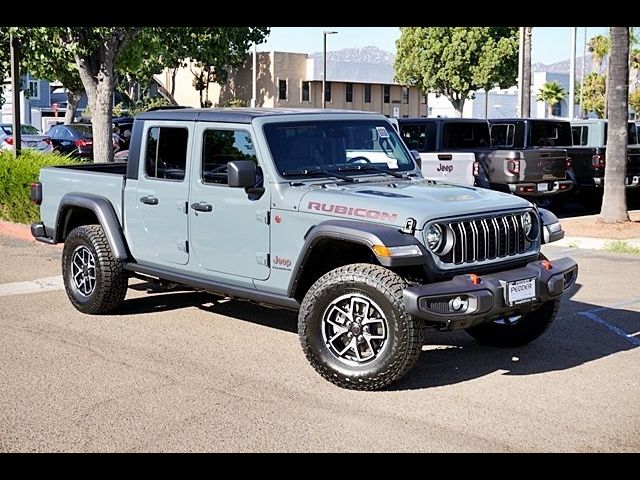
236,115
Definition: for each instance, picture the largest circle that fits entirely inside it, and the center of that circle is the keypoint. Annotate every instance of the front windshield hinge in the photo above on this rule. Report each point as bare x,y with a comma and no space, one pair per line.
409,226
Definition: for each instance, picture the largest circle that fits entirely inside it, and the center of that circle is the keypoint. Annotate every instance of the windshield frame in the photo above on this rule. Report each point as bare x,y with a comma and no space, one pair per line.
301,119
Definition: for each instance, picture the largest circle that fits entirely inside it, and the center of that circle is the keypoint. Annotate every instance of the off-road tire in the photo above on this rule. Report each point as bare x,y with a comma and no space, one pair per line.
405,333
111,280
524,331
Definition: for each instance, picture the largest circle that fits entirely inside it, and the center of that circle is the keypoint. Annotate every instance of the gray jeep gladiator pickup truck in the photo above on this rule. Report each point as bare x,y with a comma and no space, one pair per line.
324,212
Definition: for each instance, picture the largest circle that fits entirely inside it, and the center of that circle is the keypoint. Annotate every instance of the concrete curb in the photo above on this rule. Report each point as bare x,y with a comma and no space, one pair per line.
16,230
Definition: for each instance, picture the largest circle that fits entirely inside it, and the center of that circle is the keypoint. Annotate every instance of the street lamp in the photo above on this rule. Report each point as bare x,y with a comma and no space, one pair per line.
324,68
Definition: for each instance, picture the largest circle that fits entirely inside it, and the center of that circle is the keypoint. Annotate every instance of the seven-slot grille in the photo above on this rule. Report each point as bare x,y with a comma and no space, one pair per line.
475,240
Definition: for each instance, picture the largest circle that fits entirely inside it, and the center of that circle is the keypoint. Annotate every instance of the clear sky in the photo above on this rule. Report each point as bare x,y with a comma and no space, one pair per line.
549,44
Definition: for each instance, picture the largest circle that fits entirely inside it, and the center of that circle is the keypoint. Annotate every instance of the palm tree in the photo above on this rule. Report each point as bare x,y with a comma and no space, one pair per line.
599,47
551,93
614,202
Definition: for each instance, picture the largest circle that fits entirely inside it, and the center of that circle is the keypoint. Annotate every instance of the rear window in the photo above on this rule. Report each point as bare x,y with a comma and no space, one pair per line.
83,129
580,135
503,134
550,134
466,135
24,129
419,136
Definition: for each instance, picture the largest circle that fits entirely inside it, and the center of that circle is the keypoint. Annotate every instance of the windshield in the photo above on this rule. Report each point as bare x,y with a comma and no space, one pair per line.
24,129
336,145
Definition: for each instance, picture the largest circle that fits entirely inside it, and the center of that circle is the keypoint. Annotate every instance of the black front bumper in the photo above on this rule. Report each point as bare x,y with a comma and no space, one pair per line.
486,298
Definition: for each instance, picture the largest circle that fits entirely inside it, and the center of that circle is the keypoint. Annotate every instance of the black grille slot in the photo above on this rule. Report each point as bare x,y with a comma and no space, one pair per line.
485,238
441,306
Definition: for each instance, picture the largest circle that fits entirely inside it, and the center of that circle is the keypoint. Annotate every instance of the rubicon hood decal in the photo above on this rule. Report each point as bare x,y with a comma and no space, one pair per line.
352,211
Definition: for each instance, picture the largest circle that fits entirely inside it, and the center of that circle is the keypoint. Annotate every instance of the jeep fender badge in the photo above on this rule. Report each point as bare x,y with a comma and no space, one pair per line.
409,226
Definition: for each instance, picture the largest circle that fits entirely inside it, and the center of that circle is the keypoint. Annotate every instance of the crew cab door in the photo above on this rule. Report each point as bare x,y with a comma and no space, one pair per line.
228,227
156,203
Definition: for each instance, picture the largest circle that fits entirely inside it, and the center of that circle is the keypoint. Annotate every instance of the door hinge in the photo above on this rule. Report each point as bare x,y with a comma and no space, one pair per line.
263,216
186,207
186,246
262,258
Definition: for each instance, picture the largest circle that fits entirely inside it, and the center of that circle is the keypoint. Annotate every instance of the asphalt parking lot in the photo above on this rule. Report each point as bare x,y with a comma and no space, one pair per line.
184,371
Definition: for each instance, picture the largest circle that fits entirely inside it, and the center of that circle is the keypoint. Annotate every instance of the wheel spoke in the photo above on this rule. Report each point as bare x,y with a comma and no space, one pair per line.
341,331
373,337
349,345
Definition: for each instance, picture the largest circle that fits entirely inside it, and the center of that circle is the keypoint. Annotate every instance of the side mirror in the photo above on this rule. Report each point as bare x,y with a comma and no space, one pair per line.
242,173
417,158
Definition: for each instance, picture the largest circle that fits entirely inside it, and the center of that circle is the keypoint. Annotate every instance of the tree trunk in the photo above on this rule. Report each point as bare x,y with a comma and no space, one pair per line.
614,202
526,74
549,110
174,72
73,98
99,88
458,105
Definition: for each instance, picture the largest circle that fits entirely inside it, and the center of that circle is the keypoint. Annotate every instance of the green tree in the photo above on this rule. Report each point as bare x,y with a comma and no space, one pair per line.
455,61
634,101
4,60
551,93
614,201
599,47
593,97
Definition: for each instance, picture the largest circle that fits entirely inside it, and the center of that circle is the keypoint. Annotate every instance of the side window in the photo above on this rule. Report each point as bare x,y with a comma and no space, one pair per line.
414,136
220,147
579,134
166,153
502,135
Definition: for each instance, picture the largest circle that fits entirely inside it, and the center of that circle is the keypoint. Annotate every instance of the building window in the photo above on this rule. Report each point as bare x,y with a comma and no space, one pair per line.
306,89
282,89
327,91
556,110
33,89
349,93
166,153
405,94
367,93
386,94
220,147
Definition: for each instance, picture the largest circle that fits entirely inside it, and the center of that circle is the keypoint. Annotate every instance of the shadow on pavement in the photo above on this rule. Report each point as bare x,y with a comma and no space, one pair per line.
448,357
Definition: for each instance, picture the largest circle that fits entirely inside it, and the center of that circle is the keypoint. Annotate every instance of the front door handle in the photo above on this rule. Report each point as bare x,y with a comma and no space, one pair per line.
202,207
149,200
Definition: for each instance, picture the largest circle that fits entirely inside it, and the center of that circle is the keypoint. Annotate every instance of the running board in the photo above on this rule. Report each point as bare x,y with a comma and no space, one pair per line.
239,293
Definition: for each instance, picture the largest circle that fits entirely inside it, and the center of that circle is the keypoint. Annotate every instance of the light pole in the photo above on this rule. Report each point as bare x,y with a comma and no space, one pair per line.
324,68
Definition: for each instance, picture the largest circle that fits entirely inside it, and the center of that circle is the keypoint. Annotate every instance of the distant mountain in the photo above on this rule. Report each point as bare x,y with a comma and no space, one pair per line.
372,55
563,66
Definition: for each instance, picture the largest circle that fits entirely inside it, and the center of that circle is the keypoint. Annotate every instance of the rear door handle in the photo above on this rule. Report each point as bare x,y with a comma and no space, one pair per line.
149,200
202,207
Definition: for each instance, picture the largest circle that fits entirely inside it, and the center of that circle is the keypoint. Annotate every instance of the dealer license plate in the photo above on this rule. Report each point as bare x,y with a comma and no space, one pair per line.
543,187
520,291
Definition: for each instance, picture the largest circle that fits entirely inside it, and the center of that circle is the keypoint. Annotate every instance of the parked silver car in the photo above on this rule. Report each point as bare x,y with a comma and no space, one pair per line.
31,138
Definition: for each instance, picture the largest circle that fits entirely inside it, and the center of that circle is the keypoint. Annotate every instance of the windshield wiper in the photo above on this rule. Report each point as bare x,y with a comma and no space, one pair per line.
365,167
318,172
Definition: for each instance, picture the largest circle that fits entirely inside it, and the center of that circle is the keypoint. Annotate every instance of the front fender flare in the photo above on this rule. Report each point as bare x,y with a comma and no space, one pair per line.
362,233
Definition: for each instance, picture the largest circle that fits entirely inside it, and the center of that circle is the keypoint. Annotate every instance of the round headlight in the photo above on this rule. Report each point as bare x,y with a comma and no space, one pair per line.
527,225
434,237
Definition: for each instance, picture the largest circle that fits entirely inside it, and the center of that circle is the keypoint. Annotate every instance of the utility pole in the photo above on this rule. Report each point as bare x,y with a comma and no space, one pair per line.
15,85
526,74
572,74
520,65
254,88
584,59
324,68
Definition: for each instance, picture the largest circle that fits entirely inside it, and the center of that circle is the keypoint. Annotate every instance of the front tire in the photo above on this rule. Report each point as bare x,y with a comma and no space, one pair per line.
94,279
516,332
354,328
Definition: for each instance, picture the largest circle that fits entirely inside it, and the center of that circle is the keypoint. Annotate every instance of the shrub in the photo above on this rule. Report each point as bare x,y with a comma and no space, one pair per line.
16,176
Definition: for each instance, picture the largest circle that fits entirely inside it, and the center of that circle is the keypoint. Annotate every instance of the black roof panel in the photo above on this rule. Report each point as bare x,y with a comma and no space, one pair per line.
233,115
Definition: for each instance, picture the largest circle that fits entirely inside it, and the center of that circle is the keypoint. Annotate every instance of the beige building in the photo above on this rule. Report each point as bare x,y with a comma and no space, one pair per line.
294,80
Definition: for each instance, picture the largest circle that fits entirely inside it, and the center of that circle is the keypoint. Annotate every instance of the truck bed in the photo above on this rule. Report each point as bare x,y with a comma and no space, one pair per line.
106,180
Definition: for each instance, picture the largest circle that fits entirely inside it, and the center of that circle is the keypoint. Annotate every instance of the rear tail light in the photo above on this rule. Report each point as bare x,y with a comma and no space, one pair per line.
83,143
513,166
597,160
476,169
36,193
47,140
569,163
9,140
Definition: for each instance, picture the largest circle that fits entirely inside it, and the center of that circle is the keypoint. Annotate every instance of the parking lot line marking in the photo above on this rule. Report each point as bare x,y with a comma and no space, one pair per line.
618,331
38,285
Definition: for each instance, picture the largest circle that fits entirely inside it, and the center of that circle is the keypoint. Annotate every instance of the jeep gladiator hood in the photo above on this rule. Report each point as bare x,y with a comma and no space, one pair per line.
392,202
